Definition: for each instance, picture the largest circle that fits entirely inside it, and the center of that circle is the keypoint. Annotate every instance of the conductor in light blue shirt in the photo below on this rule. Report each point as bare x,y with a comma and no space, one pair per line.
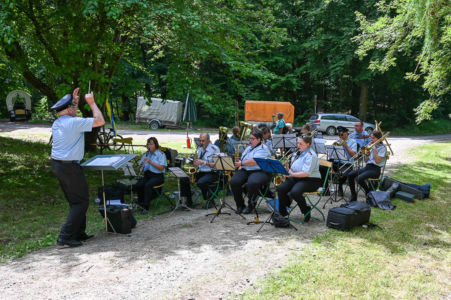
67,151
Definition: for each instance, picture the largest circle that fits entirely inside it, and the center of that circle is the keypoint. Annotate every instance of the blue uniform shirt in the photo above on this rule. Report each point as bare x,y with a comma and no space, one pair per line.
361,142
157,157
69,137
207,154
279,126
353,145
381,151
268,143
261,151
307,162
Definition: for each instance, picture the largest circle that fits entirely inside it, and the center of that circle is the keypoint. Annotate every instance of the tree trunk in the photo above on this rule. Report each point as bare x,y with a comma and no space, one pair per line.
363,100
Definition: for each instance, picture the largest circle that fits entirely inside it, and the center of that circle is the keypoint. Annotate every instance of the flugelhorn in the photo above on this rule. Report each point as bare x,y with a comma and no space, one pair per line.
342,142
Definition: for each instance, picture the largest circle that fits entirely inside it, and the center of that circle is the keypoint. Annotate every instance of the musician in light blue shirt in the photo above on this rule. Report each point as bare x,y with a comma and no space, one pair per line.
350,147
304,176
250,172
362,137
206,175
153,164
374,162
267,139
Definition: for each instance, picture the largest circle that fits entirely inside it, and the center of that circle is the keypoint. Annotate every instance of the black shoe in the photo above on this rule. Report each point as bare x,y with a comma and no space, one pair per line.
84,237
68,242
248,209
239,209
307,217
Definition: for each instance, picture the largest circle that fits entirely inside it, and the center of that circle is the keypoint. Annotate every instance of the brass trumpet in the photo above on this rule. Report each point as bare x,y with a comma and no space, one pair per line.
341,143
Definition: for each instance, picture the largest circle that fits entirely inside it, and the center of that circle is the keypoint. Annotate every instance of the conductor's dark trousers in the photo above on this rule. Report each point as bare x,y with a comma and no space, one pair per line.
75,188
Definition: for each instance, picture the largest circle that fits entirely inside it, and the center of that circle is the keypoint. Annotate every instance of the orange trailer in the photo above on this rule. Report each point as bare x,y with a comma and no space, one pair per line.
262,111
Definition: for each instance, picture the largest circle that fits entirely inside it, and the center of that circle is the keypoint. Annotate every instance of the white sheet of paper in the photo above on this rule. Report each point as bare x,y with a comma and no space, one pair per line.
105,161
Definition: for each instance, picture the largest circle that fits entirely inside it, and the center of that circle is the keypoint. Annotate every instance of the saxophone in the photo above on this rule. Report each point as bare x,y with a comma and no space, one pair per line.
192,171
281,178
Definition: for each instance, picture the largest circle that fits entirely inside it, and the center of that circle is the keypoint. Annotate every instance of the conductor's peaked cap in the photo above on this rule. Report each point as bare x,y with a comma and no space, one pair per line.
63,103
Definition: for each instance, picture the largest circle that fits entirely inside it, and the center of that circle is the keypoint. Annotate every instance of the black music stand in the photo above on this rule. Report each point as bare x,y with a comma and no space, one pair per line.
223,163
335,153
109,162
319,146
275,167
284,141
179,173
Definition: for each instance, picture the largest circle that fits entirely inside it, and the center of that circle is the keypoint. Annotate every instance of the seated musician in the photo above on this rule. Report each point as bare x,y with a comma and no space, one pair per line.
362,137
350,147
205,164
267,139
374,162
250,172
304,177
153,163
236,134
306,129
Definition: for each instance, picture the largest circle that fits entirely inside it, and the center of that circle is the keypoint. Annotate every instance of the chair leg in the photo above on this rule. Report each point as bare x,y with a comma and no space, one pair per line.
314,207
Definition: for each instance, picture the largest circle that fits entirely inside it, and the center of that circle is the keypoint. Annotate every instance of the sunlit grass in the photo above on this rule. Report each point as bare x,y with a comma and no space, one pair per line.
32,205
408,258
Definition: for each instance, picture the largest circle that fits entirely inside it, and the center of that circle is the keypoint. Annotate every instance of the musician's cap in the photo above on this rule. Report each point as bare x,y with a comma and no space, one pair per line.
63,103
342,129
280,114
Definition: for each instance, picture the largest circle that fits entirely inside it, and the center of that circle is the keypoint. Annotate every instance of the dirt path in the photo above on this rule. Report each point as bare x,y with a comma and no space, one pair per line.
179,256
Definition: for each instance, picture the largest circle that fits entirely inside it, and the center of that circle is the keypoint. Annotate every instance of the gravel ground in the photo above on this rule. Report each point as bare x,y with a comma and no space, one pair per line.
178,256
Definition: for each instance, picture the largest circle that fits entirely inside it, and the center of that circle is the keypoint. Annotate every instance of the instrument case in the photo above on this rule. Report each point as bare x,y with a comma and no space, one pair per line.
348,216
403,187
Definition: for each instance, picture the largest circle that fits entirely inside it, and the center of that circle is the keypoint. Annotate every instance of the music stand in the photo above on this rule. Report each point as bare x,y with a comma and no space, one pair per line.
284,141
319,146
179,173
336,153
275,167
223,163
109,162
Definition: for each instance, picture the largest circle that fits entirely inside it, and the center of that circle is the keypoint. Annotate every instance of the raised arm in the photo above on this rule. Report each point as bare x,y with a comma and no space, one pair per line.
96,113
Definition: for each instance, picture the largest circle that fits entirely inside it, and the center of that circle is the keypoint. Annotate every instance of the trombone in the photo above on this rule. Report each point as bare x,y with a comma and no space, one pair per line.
342,142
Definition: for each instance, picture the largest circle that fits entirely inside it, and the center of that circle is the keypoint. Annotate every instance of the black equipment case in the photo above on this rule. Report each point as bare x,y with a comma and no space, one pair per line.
348,215
120,216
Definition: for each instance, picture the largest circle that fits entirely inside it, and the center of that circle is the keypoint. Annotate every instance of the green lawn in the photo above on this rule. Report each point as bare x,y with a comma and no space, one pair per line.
409,258
32,204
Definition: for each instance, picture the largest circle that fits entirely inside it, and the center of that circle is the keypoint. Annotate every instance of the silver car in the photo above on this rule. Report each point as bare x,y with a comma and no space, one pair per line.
328,123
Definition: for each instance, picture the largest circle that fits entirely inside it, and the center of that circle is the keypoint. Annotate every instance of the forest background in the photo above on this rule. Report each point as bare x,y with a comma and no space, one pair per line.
375,59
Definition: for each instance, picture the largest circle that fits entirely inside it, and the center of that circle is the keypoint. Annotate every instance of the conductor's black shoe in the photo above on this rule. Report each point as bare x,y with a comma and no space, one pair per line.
68,242
84,237
240,209
248,209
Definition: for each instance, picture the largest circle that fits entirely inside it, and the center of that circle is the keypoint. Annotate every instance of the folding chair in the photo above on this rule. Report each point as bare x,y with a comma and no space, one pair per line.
126,142
159,189
372,181
312,202
214,189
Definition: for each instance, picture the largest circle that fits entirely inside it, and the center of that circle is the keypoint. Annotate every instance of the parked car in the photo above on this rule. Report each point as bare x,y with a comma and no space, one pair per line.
328,123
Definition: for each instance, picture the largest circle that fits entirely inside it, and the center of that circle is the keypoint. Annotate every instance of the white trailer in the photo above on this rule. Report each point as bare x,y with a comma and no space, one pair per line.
159,113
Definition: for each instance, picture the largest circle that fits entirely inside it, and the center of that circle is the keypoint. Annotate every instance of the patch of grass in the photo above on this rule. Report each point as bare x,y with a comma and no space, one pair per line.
33,207
409,258
426,128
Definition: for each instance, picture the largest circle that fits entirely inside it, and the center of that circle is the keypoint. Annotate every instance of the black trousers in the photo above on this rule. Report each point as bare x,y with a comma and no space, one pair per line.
255,180
369,171
75,187
206,180
145,189
296,187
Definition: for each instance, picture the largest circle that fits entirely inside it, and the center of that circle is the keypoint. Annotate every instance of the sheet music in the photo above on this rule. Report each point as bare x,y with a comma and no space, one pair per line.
224,163
284,141
105,161
179,173
128,170
336,152
319,146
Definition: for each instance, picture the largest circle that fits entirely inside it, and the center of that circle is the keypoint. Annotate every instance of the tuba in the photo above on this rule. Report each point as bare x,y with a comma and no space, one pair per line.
222,138
244,127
